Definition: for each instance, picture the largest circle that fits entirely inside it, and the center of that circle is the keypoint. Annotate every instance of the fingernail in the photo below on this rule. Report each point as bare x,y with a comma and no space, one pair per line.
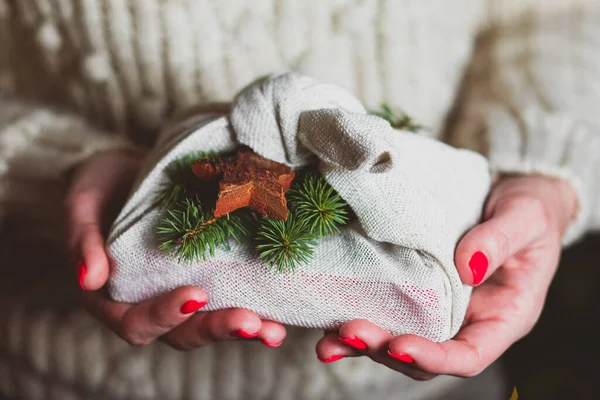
331,359
190,306
81,271
273,345
354,342
479,266
244,334
405,358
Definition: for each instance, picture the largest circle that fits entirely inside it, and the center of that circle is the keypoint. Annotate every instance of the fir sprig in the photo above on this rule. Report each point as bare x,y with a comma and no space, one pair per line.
317,203
179,174
188,232
284,245
398,119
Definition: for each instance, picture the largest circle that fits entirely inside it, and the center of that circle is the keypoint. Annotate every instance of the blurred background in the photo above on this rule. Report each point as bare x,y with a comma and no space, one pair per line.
559,359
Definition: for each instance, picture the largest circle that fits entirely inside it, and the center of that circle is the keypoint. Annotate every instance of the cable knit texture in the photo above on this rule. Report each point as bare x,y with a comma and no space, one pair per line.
530,99
525,92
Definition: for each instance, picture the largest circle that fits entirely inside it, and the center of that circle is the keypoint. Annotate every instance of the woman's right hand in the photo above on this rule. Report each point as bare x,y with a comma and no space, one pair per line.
98,190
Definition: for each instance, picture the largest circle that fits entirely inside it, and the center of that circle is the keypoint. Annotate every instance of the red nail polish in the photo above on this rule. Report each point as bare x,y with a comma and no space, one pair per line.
273,345
244,334
405,358
81,271
354,342
331,359
479,266
190,306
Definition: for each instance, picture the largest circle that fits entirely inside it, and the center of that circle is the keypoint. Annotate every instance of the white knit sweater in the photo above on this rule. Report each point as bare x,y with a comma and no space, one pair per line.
518,80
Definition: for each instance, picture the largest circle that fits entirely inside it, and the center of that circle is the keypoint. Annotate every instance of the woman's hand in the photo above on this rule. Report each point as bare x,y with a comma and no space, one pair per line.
511,258
98,190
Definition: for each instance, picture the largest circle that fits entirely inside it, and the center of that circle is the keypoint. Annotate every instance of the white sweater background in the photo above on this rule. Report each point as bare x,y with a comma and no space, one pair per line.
517,80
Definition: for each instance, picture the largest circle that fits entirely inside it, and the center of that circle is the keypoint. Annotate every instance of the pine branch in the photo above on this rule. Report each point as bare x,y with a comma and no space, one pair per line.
317,203
188,232
398,120
179,179
284,245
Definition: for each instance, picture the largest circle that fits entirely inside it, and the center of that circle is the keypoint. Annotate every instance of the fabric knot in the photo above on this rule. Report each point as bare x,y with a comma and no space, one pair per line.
265,115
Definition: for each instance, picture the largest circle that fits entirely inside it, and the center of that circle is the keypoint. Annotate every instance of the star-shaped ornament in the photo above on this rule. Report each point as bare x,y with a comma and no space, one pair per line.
247,180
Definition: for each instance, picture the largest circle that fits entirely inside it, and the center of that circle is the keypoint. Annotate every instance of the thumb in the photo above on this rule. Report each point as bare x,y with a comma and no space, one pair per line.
514,223
86,240
99,187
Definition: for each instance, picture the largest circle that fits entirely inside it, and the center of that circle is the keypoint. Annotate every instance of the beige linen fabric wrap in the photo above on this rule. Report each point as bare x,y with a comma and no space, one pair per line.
414,198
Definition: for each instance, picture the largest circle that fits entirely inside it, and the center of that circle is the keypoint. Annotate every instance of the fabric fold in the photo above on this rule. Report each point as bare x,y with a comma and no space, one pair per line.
414,197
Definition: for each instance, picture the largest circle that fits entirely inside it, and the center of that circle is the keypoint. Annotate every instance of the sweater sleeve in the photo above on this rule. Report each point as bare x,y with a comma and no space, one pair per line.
37,146
531,97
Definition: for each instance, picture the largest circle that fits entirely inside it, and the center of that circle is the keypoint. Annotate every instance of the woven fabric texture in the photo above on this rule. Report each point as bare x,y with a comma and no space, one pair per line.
414,197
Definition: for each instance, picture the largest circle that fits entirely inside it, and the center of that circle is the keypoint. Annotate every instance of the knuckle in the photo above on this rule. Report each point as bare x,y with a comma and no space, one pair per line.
537,209
132,336
533,205
477,363
356,325
502,243
209,334
516,201
135,340
89,228
239,314
159,318
77,199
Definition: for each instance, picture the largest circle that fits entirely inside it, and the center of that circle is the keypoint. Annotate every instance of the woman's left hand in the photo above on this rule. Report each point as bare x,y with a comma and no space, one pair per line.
511,258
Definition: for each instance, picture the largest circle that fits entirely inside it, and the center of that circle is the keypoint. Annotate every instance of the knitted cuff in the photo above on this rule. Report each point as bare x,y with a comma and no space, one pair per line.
553,145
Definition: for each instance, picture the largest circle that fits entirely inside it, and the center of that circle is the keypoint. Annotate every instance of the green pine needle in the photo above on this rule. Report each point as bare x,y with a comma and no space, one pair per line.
188,232
179,173
398,120
315,202
284,245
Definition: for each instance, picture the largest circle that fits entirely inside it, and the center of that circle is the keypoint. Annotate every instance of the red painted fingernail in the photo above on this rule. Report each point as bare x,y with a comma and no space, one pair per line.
273,345
81,271
244,334
479,266
402,357
354,342
190,306
331,359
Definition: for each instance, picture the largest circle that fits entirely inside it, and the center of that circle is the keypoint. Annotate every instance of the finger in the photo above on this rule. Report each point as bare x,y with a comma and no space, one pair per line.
93,267
365,336
144,322
208,327
272,333
107,311
86,241
361,337
468,354
329,349
514,224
